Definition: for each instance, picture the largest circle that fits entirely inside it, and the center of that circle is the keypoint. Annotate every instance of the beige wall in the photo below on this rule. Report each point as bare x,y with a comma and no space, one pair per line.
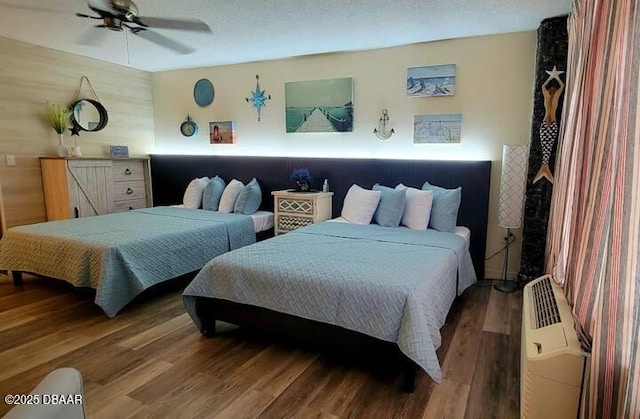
493,93
31,76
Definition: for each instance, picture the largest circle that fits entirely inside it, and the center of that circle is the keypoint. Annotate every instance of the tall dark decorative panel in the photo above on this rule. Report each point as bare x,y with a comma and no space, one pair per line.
551,63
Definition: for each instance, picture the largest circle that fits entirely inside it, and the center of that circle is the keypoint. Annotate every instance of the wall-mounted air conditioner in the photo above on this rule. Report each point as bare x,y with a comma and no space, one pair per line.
552,361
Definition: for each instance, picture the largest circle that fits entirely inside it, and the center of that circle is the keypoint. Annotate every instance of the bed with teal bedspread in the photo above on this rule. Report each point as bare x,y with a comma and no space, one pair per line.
393,284
122,254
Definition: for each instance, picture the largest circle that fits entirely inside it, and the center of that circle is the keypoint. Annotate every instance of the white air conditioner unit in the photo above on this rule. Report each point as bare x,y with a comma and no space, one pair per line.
552,361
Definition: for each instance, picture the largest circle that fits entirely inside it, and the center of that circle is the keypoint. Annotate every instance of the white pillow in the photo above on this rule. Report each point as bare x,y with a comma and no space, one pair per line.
229,196
418,209
193,194
360,205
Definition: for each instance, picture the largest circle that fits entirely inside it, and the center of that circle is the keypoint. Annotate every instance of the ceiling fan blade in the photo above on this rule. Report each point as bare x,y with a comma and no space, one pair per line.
88,16
26,7
92,36
161,40
195,25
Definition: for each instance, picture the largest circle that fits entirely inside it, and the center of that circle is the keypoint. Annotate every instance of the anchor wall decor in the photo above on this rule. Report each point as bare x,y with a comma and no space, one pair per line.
381,132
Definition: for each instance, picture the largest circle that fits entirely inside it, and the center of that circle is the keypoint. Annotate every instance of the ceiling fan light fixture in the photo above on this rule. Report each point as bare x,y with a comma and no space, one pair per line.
112,23
126,7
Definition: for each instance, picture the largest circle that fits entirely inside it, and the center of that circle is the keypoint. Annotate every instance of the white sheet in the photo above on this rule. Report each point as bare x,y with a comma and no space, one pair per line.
461,231
262,220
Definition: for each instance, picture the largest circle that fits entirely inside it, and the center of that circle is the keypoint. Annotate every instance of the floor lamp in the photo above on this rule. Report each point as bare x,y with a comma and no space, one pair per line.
512,188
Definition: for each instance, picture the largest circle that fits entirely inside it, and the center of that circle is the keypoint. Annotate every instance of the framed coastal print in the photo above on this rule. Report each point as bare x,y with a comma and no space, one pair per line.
437,128
435,80
222,132
319,106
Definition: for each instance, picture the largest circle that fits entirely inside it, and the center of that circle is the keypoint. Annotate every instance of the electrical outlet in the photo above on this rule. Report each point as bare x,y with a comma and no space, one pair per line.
11,160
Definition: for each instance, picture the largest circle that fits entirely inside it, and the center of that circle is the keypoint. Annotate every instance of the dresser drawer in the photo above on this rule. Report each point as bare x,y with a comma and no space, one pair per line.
291,222
127,170
126,191
296,205
121,206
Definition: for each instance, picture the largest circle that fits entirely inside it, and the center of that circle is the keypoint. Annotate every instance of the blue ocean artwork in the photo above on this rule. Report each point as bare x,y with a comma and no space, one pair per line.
437,128
319,106
320,119
435,80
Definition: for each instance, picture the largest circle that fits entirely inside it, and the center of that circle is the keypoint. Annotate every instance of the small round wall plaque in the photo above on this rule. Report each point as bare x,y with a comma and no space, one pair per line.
203,92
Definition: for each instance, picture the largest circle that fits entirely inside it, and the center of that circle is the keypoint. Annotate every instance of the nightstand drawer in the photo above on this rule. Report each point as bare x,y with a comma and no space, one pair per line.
121,206
127,170
126,191
296,205
291,222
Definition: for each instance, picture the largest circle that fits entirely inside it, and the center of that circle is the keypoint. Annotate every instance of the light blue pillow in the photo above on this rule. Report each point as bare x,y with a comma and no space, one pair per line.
444,210
249,199
212,194
391,206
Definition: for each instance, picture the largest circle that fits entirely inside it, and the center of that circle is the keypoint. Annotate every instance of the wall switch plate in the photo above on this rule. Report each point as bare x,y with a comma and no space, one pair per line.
11,160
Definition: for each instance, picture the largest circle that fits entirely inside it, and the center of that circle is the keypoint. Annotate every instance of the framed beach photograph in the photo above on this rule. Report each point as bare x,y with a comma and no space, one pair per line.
435,80
222,132
444,129
319,106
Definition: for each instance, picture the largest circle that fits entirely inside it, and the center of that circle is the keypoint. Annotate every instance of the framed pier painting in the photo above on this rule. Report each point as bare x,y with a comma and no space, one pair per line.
319,106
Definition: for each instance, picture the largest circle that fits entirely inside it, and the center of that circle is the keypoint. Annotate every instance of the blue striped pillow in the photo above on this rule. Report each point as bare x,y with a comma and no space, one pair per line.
444,211
212,194
249,199
391,206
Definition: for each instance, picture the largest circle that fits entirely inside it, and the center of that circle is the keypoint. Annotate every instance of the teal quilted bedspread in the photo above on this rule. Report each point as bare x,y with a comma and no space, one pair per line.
394,284
122,254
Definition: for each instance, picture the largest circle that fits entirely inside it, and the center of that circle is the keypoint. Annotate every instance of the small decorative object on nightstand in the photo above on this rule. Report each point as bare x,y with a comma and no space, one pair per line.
295,209
302,179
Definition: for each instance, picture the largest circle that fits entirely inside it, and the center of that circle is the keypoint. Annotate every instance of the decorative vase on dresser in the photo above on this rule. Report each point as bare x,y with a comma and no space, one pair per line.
63,151
82,187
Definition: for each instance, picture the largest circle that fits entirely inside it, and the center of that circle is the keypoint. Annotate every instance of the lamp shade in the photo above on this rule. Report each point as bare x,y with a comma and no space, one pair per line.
512,185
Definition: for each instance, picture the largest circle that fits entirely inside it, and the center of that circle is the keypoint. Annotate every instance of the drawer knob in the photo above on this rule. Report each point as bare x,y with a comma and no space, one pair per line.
127,171
129,191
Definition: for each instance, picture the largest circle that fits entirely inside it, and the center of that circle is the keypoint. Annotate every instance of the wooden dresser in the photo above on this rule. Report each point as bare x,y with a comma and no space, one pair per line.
82,187
293,209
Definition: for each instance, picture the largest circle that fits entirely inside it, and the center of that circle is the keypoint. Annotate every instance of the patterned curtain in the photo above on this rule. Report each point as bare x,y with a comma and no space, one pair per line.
594,229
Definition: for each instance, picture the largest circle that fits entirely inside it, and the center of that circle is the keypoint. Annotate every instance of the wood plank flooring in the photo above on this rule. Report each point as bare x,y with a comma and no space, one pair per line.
151,362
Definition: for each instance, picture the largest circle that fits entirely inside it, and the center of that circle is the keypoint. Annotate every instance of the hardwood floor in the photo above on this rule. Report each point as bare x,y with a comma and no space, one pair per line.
150,361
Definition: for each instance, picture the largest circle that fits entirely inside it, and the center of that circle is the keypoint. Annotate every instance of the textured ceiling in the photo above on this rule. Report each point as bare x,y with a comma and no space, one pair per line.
253,30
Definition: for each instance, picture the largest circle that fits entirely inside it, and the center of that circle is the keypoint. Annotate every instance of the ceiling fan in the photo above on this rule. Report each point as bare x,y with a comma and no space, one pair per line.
117,15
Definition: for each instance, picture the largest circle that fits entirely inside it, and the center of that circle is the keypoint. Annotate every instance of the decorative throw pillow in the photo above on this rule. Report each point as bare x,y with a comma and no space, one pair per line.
391,206
418,208
444,212
359,205
229,196
193,194
249,199
212,194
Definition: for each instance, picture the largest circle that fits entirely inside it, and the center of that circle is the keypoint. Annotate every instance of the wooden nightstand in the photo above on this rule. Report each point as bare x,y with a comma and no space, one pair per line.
298,209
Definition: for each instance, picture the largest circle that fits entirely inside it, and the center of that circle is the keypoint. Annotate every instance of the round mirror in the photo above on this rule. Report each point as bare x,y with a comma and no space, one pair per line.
88,115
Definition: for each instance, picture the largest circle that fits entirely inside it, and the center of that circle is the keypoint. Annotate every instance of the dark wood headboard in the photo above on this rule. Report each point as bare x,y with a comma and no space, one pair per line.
171,174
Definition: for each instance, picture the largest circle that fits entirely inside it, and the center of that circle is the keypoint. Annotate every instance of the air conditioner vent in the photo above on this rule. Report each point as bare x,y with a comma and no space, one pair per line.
544,304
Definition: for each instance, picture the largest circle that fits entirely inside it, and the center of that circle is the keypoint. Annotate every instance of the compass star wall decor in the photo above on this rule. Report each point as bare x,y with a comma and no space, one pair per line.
258,97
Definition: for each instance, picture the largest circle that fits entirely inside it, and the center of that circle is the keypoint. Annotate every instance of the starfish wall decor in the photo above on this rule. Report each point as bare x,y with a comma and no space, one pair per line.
258,98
